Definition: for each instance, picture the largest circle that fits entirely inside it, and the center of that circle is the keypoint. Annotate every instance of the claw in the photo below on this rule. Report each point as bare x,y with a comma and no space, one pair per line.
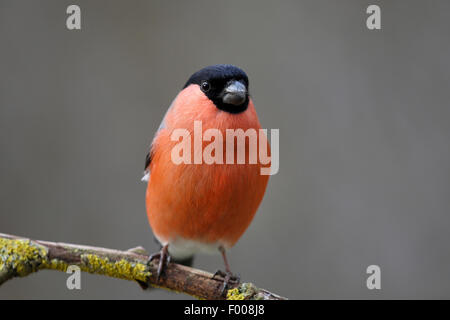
218,273
164,260
228,278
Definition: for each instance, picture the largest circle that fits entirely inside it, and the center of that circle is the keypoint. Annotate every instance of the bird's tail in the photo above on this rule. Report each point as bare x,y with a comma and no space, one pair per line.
188,262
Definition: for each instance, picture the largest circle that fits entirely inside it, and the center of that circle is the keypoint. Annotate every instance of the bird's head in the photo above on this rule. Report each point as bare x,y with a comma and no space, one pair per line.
225,85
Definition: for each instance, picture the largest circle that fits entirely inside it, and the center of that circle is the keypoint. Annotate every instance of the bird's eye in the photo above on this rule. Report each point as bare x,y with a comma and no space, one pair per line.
205,86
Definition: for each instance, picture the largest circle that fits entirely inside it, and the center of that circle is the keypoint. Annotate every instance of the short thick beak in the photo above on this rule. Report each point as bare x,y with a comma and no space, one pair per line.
234,93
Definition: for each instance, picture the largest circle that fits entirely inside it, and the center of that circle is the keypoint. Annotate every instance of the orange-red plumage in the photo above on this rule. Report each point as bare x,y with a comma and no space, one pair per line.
202,202
195,207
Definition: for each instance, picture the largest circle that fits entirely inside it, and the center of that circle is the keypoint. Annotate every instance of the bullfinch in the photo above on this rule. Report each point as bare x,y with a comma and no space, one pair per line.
203,207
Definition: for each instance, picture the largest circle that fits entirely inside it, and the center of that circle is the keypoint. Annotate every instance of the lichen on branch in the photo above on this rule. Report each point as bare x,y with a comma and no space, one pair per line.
19,257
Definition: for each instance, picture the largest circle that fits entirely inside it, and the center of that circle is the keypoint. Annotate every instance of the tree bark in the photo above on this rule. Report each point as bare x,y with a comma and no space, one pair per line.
21,256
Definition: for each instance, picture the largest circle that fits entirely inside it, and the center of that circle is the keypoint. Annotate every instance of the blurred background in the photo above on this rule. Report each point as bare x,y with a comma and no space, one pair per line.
364,123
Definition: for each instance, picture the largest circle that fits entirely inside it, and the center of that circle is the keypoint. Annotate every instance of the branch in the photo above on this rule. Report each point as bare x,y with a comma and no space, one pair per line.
20,257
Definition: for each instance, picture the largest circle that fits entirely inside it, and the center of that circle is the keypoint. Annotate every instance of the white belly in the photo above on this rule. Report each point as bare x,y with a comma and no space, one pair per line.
182,248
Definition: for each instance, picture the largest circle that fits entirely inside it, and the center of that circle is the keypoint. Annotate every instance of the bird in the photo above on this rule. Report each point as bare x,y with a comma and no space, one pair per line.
203,208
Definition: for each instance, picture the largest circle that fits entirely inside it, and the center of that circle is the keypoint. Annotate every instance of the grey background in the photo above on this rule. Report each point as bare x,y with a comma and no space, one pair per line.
364,136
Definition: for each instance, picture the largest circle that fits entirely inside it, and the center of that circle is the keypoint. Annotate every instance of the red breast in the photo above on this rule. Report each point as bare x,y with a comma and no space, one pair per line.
210,203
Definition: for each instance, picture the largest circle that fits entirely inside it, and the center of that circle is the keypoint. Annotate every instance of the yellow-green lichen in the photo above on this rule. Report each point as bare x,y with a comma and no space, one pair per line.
122,269
234,294
245,291
55,264
21,257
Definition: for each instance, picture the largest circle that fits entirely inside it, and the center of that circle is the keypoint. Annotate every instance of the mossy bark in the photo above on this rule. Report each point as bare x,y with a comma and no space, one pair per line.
19,257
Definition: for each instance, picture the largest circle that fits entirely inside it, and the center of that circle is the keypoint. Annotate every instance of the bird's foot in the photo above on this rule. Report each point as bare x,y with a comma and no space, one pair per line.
164,260
228,278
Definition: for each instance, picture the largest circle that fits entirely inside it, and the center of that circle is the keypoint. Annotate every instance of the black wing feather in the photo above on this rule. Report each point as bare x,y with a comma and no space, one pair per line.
148,160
